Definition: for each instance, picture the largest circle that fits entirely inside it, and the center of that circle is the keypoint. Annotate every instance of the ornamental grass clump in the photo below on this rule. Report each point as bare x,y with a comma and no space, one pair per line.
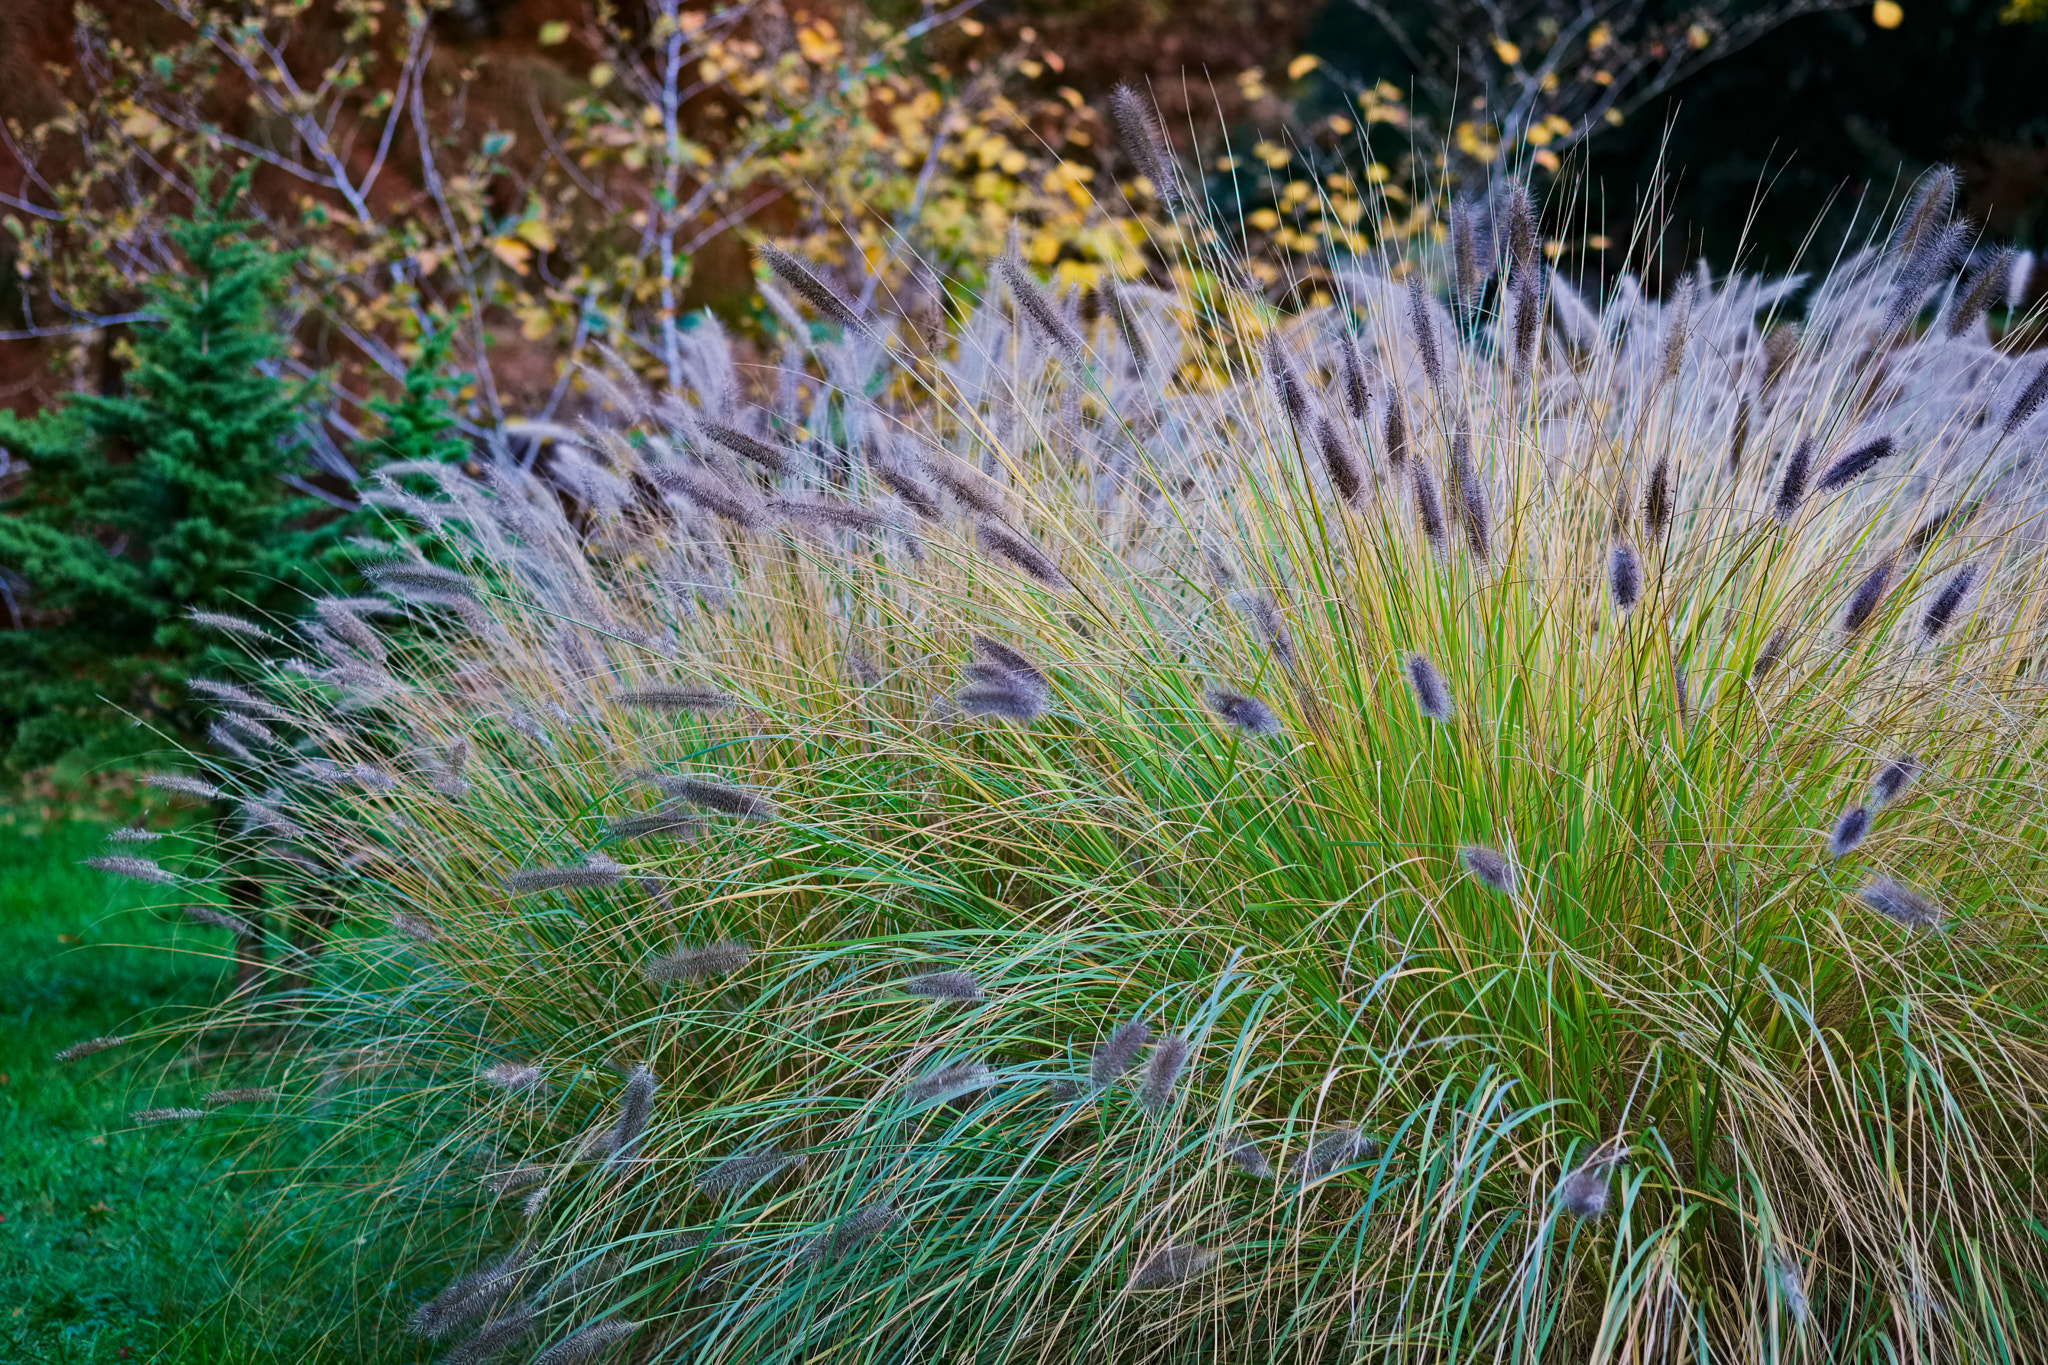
983,793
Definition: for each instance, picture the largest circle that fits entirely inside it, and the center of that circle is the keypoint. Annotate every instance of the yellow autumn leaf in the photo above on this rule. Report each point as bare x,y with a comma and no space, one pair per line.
1265,220
536,234
140,123
513,252
1887,14
553,32
1508,53
1302,65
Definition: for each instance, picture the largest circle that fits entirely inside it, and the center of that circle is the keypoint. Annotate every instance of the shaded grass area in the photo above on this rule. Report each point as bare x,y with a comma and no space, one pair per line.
121,1242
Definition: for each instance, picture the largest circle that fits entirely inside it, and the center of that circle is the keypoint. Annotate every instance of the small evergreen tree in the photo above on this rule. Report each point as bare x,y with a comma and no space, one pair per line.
141,507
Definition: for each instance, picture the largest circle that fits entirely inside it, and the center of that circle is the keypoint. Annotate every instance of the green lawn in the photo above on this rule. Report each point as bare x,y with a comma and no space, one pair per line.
116,1243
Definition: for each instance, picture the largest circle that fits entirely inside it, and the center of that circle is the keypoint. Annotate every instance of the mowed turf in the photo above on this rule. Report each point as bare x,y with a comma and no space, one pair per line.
119,1242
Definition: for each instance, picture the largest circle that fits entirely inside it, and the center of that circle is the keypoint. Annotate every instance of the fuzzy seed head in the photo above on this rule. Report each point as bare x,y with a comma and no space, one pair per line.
1002,543
1245,1154
2028,403
514,1077
1429,507
745,1168
597,871
1863,602
1893,778
1396,432
811,289
1335,1148
1583,1193
1035,306
949,1082
1432,694
1984,287
1624,577
1139,132
135,869
1900,904
253,1094
1172,1265
226,624
1849,831
1489,866
1354,374
149,1117
722,958
1657,501
495,1337
674,699
1339,462
180,785
1792,485
1117,1053
1738,439
87,1046
1245,713
1162,1073
770,458
958,987
588,1343
1857,462
1425,334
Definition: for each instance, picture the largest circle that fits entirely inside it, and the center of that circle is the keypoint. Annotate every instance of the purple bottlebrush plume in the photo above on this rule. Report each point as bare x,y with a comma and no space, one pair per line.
239,698
1248,714
1432,694
469,1297
2028,403
1429,508
409,926
514,1077
229,743
1424,326
770,458
1677,330
1354,375
594,872
1528,322
1924,215
1000,542
1781,348
1583,1193
828,514
1335,1148
1768,657
1339,461
135,869
949,1082
919,496
1145,144
1624,577
1900,904
1117,1053
1003,697
1518,211
1467,278
812,290
1268,623
1791,1282
344,623
998,661
1034,305
1396,432
851,1231
674,698
1919,273
1863,602
1738,439
419,581
706,794
231,625
959,987
220,919
1172,1265
1472,502
1893,778
513,1178
1128,329
1657,499
497,1336
1489,866
587,1343
1857,462
1984,287
130,834
1162,1073
1849,831
1288,384
1245,1154
658,825
149,1117
636,1103
968,485
180,785
248,1094
1792,486
85,1047
722,958
746,1168
705,490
